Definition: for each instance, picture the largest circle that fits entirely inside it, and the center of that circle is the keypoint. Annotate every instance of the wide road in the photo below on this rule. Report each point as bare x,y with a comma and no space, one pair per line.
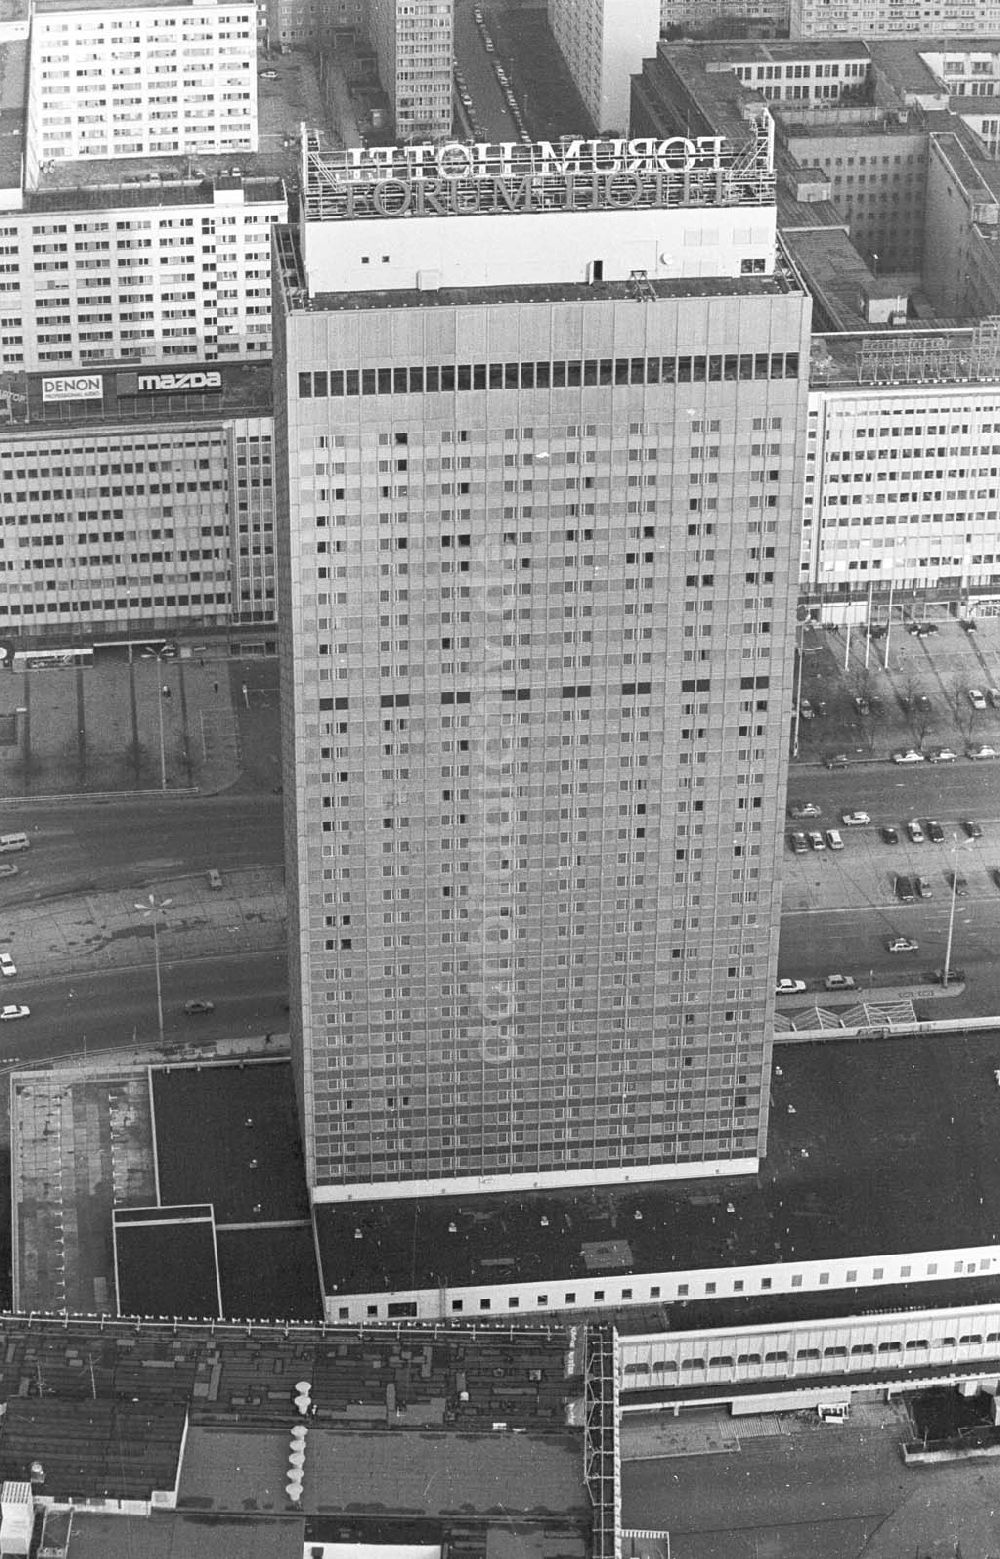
110,1011
892,792
80,847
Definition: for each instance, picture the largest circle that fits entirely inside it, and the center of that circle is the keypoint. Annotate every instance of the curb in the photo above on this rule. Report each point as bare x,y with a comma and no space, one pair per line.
75,797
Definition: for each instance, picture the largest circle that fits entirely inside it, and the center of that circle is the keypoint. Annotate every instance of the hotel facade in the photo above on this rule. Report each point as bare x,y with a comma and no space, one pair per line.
539,482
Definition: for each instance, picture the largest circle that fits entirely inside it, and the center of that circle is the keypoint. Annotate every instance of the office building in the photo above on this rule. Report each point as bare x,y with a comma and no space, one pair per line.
413,42
120,81
136,501
548,431
603,43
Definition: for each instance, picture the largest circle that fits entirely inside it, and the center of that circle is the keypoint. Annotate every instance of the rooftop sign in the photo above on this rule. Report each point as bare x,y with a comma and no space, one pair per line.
458,178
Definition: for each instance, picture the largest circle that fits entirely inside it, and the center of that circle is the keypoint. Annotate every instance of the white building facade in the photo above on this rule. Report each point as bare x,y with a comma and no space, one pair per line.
604,43
140,80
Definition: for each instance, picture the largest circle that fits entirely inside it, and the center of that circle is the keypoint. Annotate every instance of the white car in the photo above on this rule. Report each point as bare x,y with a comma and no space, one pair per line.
8,1014
789,987
8,967
909,755
915,831
854,819
977,698
903,944
816,839
981,752
839,982
833,839
7,869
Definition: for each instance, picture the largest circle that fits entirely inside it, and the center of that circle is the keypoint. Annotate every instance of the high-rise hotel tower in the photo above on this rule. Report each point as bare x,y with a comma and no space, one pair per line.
540,421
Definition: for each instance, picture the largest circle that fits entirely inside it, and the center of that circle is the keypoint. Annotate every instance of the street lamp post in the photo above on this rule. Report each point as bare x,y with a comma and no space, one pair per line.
151,909
946,971
159,712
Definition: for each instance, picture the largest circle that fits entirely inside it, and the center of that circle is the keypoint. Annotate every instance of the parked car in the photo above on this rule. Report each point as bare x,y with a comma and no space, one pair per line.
922,629
8,1014
839,982
268,75
903,944
804,809
833,839
915,832
959,885
923,703
8,869
193,1007
908,755
977,698
941,755
862,705
936,976
789,987
889,835
798,843
973,829
816,839
904,890
993,694
836,760
854,819
995,874
984,750
806,710
214,878
8,968
935,832
924,890
969,624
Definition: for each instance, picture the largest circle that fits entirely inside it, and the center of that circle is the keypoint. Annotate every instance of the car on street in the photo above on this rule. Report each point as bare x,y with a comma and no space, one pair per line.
969,624
903,944
789,987
798,843
935,832
922,629
806,710
862,705
8,968
907,755
191,1008
8,1014
984,750
889,835
914,831
268,75
7,870
958,884
995,874
833,839
836,760
903,887
924,889
854,819
839,982
923,703
816,839
977,698
936,976
973,829
941,755
804,809
993,694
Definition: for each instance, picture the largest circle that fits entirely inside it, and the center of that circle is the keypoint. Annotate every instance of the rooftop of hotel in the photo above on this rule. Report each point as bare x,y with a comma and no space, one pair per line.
183,181
861,1188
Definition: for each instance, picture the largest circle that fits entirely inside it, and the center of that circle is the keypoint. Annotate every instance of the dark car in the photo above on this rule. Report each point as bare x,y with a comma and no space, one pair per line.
935,832
836,760
973,829
194,1007
904,890
958,884
889,835
936,976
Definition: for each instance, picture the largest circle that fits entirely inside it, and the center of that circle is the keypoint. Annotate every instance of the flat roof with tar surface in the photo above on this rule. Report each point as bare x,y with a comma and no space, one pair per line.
13,100
184,1534
875,1147
425,1474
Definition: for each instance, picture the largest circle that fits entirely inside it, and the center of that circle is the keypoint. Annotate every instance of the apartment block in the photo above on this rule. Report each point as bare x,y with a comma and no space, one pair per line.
121,81
894,18
603,43
413,41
